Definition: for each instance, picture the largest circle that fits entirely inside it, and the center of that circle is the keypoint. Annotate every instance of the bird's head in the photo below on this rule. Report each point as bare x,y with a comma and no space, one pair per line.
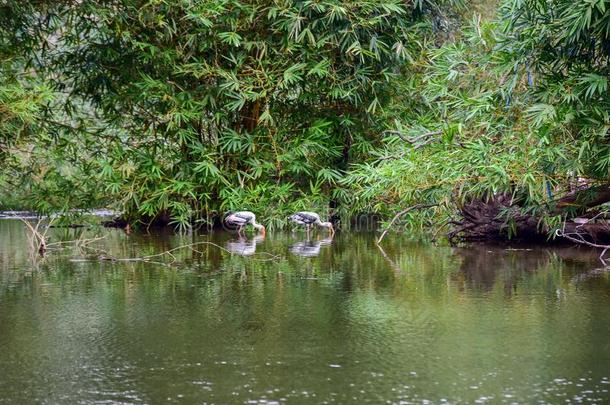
261,229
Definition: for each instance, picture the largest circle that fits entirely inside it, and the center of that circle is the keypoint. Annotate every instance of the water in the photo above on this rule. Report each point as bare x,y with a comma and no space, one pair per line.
280,320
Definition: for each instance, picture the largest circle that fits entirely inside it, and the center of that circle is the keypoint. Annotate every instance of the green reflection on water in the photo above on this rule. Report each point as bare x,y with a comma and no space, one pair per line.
321,322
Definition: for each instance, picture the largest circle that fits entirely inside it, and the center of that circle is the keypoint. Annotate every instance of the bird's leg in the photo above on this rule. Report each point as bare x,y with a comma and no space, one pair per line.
308,227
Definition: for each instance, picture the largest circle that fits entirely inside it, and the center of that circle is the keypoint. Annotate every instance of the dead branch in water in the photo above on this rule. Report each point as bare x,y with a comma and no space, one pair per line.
37,239
40,245
77,243
580,232
579,238
401,213
148,259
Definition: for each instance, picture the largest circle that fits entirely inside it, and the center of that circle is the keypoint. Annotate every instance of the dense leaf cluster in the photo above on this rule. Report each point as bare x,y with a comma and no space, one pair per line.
517,105
180,109
200,106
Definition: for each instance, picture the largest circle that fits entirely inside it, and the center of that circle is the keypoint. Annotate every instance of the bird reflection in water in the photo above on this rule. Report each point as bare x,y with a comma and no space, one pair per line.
244,246
309,248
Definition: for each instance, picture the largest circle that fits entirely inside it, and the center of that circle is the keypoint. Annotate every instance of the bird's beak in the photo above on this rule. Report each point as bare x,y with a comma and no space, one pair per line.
263,231
332,230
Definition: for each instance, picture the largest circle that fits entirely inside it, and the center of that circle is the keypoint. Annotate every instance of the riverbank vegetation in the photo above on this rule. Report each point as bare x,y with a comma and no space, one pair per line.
494,112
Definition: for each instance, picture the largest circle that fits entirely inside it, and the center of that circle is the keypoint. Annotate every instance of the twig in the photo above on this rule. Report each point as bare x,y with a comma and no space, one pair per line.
169,253
38,241
401,213
577,238
76,242
592,219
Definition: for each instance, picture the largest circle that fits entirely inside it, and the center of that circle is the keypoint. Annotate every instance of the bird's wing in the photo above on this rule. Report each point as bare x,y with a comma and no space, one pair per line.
305,217
245,215
235,219
296,219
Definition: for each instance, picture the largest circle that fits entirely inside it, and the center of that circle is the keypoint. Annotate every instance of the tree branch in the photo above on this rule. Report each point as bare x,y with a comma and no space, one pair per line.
577,238
401,213
587,198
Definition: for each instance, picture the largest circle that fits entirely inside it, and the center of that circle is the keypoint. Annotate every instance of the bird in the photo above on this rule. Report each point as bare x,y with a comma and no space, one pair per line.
242,218
308,248
307,219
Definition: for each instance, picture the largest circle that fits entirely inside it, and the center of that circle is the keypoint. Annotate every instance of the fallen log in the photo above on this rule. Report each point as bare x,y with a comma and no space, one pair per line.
502,216
581,200
495,218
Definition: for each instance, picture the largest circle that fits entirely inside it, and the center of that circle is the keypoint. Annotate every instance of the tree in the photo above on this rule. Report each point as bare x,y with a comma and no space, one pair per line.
23,95
209,105
506,127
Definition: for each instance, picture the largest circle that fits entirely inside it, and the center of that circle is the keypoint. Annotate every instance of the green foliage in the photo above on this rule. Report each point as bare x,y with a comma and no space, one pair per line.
35,172
476,131
23,96
205,105
562,47
519,106
178,110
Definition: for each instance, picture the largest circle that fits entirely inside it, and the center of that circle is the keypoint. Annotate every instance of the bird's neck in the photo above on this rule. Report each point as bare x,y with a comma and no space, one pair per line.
259,227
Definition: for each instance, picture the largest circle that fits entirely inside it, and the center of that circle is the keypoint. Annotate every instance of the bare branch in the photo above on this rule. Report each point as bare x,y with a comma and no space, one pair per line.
578,238
401,213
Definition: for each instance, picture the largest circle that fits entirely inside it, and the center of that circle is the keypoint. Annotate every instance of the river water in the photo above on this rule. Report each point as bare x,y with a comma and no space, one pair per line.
286,320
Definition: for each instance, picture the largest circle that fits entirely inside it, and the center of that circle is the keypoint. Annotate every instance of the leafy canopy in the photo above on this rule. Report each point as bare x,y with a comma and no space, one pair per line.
218,104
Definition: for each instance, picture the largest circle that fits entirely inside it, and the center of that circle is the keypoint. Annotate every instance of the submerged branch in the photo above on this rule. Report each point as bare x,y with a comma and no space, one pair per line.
106,257
579,238
39,245
37,239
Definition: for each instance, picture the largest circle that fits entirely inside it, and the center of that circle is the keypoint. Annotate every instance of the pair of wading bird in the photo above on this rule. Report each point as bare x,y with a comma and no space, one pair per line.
307,219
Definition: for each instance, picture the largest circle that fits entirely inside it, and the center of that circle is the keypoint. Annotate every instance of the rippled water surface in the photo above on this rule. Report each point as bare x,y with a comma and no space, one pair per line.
283,319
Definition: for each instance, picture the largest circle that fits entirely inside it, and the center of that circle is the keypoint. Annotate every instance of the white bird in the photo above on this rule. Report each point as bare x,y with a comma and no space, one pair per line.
308,248
242,218
308,219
